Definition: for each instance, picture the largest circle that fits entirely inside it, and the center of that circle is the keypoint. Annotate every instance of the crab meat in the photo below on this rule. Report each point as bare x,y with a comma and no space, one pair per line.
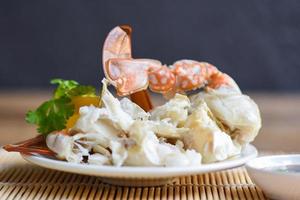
64,147
236,111
150,151
116,114
205,136
99,126
165,129
175,110
98,159
135,111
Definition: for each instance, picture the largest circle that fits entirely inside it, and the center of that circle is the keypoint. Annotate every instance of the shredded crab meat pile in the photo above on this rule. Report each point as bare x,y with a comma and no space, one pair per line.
182,132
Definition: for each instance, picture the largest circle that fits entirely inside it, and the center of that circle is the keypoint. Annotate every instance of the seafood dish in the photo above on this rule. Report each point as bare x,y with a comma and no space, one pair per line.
80,126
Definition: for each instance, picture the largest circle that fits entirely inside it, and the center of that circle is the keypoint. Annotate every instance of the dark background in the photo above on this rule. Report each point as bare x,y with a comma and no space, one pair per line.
257,42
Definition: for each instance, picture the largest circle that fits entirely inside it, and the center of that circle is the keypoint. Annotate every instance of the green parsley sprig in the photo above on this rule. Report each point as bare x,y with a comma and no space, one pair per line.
53,114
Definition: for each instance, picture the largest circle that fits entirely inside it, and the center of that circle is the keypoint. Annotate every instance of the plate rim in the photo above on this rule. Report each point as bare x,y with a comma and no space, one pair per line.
249,152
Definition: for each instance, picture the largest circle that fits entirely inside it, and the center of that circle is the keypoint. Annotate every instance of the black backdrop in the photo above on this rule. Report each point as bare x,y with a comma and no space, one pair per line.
257,42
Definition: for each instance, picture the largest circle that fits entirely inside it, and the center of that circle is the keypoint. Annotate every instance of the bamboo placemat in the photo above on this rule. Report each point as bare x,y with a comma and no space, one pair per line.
21,180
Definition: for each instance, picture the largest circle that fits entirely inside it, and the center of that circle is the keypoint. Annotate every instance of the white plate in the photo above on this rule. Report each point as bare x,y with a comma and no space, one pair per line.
276,184
141,176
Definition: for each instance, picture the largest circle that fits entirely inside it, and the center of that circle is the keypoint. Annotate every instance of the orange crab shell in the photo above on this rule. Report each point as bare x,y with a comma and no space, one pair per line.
116,45
161,79
190,74
129,75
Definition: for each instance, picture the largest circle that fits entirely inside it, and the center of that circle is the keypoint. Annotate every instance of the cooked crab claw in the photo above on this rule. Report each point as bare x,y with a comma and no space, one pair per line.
118,46
122,74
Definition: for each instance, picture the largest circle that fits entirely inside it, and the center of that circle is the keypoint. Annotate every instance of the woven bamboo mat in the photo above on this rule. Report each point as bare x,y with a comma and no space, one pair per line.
21,180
